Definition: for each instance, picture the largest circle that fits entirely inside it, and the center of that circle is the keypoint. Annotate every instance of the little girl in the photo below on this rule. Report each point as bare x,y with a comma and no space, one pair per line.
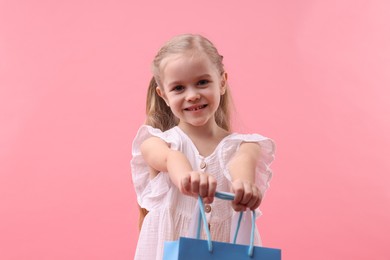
186,149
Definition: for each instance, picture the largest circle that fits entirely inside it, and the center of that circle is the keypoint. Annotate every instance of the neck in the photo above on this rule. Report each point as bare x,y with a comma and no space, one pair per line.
205,138
209,130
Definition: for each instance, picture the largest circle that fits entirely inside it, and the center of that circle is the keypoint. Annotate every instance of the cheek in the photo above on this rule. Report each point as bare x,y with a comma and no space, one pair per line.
217,96
173,100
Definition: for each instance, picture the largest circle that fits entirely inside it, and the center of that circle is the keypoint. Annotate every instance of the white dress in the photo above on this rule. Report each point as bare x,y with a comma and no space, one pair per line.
170,212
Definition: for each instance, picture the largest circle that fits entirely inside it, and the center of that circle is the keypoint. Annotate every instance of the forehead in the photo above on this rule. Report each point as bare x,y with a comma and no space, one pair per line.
181,67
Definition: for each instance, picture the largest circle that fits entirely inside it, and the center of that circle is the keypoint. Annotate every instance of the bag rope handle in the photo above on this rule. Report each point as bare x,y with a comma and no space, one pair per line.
224,196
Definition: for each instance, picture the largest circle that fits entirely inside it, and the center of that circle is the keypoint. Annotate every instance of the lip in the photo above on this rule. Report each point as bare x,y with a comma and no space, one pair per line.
195,107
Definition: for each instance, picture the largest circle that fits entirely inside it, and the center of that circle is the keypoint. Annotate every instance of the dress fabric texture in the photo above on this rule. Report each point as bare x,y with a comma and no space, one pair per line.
171,214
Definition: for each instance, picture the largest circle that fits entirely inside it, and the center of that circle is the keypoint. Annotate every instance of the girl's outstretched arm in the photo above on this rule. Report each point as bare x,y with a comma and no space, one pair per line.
161,158
242,169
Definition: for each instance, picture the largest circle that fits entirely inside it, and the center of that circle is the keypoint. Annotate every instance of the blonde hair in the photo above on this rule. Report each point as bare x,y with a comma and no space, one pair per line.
158,114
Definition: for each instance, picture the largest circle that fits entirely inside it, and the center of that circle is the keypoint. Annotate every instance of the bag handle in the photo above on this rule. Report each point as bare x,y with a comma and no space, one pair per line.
224,196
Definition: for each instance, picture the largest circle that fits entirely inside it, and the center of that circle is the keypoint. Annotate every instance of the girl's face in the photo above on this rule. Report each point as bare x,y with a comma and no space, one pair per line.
192,88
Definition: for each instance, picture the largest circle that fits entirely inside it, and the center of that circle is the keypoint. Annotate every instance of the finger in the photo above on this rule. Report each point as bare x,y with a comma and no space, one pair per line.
195,179
203,185
255,200
238,207
212,185
212,188
185,185
258,201
247,195
238,190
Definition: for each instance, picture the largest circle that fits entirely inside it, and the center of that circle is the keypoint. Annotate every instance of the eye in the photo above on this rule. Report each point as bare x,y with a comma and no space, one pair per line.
177,88
203,82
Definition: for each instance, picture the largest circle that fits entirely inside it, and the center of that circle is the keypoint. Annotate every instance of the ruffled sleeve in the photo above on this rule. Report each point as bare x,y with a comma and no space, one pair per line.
263,170
150,192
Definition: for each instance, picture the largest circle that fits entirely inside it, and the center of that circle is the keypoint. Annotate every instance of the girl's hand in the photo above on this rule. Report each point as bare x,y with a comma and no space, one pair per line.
247,195
198,183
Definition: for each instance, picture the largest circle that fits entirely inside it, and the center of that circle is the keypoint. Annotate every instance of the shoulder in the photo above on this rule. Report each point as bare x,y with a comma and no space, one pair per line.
253,143
145,132
251,140
151,131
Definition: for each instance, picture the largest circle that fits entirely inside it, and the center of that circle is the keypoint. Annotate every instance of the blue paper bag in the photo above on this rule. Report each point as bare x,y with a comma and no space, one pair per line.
190,248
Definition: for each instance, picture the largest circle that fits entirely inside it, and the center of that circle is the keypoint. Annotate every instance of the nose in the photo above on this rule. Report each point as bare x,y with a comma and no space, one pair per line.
192,95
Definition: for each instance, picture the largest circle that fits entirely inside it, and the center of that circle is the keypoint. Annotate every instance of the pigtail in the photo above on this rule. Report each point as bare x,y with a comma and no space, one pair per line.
223,113
158,114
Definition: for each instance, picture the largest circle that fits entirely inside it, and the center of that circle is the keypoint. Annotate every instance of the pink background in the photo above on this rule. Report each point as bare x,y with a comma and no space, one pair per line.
313,75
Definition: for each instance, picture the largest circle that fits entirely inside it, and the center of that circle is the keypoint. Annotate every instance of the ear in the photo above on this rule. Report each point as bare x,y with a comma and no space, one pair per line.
223,86
161,93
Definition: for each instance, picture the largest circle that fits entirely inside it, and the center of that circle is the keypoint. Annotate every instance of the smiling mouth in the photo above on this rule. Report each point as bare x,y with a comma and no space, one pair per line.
195,108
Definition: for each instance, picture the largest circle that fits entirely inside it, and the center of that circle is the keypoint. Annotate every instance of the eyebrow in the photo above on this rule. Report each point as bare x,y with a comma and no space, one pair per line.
174,83
204,76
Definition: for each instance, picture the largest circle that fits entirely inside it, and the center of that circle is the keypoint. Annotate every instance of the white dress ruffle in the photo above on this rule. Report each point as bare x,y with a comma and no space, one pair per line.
172,214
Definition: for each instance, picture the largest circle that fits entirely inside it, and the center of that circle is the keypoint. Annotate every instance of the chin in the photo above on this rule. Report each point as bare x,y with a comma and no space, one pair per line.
198,123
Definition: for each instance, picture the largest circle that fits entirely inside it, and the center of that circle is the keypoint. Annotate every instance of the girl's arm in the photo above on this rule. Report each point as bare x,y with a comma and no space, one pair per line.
242,169
161,158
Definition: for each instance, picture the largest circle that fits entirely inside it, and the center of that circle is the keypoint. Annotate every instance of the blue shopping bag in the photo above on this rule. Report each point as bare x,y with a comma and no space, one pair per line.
190,248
